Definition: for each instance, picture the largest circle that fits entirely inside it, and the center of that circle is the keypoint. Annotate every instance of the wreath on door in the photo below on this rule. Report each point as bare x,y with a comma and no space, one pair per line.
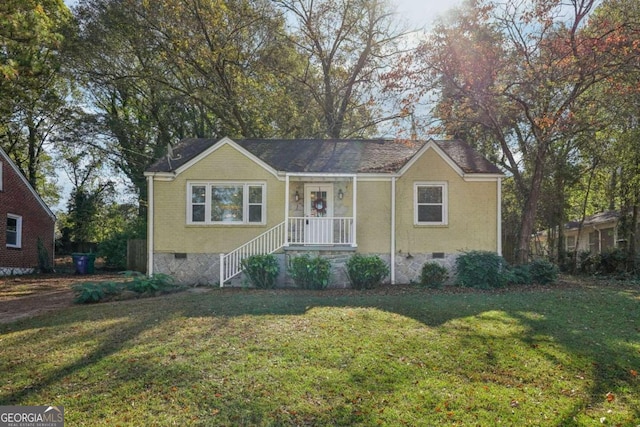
320,206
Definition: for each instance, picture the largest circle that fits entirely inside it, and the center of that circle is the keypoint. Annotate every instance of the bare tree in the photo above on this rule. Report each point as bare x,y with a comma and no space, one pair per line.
347,43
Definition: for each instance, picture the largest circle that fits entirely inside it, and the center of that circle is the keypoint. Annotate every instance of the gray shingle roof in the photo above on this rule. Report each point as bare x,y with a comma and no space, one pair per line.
332,156
599,218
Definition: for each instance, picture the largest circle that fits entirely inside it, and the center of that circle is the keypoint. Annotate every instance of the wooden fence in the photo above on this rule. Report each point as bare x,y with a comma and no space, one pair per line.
137,255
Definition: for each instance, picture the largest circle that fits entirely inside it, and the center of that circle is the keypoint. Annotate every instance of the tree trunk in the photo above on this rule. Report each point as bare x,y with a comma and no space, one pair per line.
631,239
32,161
560,219
143,198
530,207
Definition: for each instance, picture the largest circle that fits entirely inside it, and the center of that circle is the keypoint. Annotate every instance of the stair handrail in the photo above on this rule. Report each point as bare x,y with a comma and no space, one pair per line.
266,243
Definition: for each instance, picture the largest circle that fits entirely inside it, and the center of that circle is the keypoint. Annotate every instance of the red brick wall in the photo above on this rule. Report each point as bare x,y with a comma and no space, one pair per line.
17,199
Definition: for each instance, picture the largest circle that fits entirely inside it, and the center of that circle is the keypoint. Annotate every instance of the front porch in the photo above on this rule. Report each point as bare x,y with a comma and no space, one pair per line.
320,212
320,209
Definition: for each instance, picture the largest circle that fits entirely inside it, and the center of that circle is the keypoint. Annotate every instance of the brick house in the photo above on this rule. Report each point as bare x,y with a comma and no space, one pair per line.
24,219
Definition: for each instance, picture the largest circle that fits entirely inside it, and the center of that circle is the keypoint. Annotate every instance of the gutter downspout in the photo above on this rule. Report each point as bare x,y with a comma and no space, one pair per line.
392,259
355,210
53,249
150,226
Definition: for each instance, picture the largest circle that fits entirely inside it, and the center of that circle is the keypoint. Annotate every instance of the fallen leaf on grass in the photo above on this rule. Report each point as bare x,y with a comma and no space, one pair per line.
611,397
634,373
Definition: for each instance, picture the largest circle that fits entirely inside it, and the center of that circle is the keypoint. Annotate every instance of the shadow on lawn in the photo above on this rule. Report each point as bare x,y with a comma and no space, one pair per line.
576,320
602,334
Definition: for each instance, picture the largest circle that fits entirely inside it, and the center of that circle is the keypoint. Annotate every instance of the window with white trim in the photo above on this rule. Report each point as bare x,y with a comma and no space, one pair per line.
14,231
226,203
430,203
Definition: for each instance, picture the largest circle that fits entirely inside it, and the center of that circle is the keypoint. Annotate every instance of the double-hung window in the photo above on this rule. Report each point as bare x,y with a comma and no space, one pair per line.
226,203
430,203
14,231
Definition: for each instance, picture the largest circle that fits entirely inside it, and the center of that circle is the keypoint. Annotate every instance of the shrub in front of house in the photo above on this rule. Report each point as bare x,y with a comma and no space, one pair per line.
310,273
611,262
481,269
262,270
543,271
142,284
585,262
519,275
433,275
366,271
90,292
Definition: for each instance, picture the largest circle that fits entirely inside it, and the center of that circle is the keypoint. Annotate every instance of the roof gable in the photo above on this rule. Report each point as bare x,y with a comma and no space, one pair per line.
431,145
12,166
461,157
218,145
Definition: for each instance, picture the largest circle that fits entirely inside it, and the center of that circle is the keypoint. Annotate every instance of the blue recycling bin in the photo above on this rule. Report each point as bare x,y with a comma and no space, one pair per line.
80,261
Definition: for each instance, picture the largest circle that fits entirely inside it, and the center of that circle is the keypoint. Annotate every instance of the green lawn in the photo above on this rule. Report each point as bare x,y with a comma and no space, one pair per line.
548,356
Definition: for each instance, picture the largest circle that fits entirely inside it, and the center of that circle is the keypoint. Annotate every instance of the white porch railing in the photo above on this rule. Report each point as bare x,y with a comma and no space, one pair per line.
321,231
266,243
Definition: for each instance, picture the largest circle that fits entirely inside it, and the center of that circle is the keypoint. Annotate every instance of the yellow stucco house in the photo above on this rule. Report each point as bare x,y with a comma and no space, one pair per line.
213,202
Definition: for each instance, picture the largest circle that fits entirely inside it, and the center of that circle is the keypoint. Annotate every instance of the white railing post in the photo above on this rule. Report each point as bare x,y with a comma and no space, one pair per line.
221,270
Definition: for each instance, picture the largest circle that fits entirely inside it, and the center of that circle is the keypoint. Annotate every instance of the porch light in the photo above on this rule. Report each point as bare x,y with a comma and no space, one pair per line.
340,194
297,196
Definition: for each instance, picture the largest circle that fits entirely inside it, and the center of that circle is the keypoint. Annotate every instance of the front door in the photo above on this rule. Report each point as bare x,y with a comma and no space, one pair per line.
318,210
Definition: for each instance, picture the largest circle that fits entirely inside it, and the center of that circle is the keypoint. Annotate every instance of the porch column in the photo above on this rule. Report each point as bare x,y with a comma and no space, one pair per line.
286,210
355,209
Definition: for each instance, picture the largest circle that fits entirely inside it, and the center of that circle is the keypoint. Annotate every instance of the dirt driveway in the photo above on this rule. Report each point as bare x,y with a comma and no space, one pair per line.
30,295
